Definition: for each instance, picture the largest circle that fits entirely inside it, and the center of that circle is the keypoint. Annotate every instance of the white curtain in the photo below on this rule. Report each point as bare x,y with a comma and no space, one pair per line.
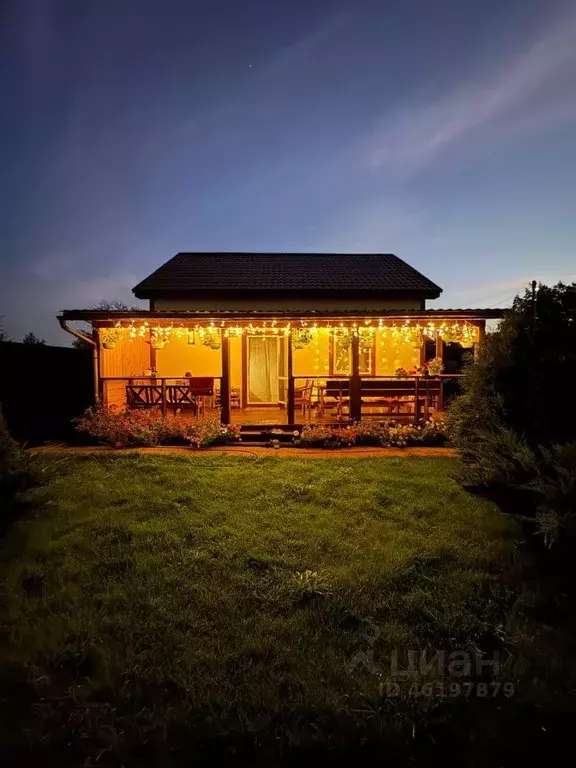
263,369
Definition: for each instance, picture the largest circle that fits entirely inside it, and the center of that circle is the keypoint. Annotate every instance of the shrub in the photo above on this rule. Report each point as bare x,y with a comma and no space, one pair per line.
209,431
400,435
387,434
16,473
368,433
555,486
320,436
433,432
523,370
507,424
127,428
122,428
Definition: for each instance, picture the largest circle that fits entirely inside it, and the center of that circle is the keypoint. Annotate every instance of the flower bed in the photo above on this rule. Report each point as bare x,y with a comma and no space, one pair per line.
387,435
132,428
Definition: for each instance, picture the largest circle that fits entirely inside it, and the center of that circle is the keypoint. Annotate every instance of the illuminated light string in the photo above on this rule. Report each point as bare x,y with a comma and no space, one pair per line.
210,334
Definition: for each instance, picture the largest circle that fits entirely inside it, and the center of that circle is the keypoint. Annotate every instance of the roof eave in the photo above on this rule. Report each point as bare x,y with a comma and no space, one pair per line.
178,293
90,315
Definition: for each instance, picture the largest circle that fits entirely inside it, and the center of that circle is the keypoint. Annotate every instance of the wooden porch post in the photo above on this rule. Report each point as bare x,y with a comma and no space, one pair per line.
439,345
98,384
417,400
481,337
225,381
355,381
290,402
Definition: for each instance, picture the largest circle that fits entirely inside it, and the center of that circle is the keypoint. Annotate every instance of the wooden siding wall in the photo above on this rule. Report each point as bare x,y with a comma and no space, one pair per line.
114,393
178,357
128,358
296,303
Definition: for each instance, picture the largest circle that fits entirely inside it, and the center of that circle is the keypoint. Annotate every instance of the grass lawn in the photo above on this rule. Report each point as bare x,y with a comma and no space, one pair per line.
160,609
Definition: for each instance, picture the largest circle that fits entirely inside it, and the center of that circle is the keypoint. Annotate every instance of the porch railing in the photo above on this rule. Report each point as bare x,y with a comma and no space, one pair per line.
333,398
166,393
353,398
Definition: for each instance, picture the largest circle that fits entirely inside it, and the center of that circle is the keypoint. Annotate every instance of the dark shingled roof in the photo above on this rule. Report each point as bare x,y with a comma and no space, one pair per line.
365,272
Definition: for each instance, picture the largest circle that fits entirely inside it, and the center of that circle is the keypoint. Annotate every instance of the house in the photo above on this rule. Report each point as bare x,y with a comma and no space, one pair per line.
272,338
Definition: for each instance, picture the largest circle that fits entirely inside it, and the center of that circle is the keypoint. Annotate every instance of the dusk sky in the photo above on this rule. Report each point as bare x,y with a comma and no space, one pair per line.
440,130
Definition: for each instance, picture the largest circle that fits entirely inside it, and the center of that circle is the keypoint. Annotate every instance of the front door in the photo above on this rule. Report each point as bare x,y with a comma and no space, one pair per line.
262,369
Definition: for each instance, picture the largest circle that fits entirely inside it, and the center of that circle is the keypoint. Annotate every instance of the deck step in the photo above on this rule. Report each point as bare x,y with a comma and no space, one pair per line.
250,434
264,433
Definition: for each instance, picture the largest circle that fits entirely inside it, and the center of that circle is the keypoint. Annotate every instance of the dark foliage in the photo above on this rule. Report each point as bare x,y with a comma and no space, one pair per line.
106,306
42,389
31,338
515,424
16,472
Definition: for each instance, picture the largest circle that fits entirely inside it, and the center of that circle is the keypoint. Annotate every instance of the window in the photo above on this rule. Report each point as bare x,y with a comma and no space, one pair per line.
341,358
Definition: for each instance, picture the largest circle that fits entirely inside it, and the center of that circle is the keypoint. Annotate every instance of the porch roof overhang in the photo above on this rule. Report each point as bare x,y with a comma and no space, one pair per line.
95,316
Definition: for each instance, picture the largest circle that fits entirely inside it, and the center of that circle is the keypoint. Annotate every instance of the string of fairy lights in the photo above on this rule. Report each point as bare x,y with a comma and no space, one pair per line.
303,334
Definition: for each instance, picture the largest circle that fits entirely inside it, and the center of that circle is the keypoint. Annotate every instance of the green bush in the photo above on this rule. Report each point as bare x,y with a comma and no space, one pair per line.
388,434
16,473
123,428
555,486
511,425
523,378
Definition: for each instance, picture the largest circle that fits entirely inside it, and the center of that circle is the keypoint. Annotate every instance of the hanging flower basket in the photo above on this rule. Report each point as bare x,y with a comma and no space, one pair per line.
212,339
302,338
109,337
157,343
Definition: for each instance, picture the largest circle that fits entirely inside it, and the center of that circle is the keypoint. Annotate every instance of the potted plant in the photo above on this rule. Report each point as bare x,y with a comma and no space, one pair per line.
212,339
301,338
157,341
108,337
435,366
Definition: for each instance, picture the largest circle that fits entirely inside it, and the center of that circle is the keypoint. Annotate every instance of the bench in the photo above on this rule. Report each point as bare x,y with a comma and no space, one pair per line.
418,395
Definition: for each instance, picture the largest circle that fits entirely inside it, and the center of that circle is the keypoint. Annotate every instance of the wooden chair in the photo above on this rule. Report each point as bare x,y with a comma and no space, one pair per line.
336,395
303,397
202,390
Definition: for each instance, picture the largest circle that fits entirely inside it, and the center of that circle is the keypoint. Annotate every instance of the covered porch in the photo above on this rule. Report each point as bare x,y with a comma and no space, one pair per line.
280,370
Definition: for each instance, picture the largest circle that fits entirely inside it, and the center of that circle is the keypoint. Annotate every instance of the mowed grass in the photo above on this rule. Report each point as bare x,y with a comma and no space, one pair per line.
217,605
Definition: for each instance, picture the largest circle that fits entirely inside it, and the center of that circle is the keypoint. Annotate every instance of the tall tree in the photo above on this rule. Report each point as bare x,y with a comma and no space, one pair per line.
31,338
104,306
3,334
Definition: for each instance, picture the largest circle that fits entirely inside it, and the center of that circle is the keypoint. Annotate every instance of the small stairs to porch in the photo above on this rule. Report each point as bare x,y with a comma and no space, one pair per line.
263,434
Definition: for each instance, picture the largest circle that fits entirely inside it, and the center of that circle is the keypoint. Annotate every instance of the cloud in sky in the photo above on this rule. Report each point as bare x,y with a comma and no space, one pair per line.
529,92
